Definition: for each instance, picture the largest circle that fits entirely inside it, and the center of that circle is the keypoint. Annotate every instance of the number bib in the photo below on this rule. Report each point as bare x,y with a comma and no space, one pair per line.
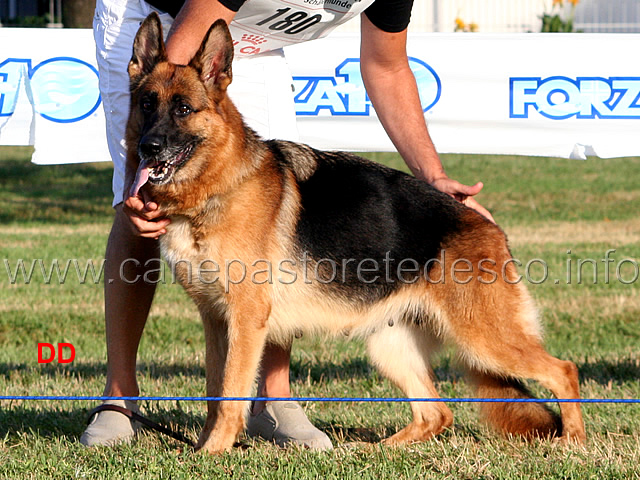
263,25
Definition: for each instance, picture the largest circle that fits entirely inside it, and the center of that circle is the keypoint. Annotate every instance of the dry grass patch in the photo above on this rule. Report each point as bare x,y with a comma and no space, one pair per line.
618,232
589,303
46,306
56,230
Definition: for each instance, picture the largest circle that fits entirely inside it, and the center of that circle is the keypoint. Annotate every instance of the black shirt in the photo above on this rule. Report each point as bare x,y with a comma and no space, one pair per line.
388,15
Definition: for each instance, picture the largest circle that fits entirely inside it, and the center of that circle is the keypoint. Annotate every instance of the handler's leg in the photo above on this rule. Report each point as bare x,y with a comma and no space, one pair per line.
274,374
127,304
282,422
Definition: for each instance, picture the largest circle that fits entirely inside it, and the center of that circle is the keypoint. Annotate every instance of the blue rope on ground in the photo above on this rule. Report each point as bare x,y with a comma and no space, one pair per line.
325,399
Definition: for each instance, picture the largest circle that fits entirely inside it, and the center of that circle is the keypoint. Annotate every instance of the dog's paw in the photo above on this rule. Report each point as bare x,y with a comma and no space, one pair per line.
412,433
213,447
215,443
211,450
573,439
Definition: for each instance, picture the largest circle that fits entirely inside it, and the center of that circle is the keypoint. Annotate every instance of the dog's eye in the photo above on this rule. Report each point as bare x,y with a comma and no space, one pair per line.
146,105
183,110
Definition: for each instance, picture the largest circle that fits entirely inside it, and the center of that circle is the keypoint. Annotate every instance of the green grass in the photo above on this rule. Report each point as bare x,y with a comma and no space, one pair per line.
546,206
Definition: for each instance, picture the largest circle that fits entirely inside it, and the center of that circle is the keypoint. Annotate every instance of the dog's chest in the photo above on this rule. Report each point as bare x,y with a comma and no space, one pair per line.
187,255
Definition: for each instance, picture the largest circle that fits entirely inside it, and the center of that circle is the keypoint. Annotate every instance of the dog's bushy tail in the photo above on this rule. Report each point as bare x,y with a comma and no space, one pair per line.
526,419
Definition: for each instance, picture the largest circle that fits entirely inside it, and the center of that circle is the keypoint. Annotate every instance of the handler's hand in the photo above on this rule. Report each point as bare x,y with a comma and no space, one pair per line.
463,193
144,217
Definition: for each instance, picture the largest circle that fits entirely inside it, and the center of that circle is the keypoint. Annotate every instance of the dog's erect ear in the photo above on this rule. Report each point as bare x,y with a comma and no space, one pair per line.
148,49
213,60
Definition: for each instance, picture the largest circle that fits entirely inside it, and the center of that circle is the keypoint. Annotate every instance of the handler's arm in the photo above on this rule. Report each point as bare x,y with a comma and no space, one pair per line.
393,91
191,25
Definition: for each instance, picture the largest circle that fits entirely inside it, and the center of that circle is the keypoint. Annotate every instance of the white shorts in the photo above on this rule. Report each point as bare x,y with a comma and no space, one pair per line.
261,87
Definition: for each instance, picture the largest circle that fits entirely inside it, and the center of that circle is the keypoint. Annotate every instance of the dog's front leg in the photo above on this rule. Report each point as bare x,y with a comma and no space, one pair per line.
216,340
232,373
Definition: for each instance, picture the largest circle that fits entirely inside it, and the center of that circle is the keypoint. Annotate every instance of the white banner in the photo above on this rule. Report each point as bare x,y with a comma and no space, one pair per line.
566,95
49,95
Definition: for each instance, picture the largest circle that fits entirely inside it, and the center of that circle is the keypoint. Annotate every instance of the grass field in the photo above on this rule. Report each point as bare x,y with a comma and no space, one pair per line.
548,207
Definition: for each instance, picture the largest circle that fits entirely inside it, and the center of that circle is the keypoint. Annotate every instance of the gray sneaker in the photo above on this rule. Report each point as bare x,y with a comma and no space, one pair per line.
286,423
108,428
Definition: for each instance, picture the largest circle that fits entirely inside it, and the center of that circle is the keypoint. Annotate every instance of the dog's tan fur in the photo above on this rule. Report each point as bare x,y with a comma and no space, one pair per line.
233,200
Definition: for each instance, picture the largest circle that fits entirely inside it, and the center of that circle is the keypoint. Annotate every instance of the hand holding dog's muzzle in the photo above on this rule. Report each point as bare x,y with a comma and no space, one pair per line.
145,219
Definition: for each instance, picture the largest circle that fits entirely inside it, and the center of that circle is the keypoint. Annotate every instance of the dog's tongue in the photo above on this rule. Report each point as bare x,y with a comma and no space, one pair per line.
142,175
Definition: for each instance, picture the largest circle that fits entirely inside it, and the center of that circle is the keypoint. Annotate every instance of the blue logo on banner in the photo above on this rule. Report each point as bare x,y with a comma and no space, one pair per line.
559,98
349,97
64,89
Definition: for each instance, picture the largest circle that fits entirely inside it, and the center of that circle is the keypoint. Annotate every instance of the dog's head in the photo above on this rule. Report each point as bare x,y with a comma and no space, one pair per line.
179,115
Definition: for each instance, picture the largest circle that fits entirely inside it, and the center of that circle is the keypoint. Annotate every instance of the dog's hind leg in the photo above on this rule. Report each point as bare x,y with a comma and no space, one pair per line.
561,377
232,371
499,339
401,353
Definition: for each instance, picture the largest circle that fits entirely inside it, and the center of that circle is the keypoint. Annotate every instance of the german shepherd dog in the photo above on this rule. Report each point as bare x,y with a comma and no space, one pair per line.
358,248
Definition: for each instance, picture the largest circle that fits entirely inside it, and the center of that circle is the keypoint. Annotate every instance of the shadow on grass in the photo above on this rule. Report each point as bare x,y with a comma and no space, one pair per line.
99,369
606,371
375,435
360,367
601,371
55,422
317,372
322,371
56,194
52,421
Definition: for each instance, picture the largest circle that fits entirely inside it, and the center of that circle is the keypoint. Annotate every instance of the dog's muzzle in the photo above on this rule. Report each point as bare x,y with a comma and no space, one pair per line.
158,163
